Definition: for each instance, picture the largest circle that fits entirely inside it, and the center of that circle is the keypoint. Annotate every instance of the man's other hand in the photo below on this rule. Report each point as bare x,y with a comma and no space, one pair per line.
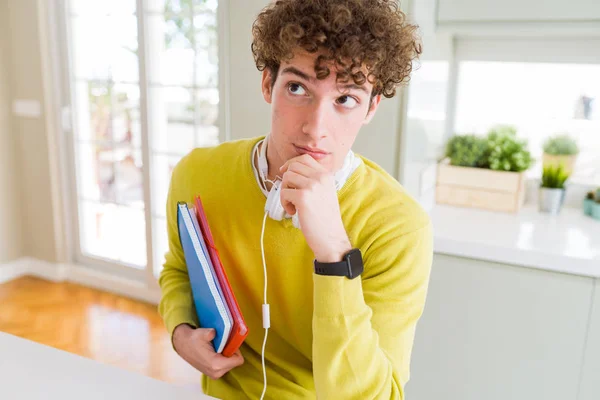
195,347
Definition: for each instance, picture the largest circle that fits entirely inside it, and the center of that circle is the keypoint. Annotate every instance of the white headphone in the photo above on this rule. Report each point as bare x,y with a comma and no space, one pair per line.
273,204
275,210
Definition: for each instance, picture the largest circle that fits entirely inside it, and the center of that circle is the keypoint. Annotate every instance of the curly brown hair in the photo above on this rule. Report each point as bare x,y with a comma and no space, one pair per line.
353,34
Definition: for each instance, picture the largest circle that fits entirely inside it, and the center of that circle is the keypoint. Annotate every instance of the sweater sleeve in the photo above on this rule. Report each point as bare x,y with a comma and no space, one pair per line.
363,329
176,304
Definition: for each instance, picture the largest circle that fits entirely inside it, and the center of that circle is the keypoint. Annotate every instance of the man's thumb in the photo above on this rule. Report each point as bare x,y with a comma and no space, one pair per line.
208,334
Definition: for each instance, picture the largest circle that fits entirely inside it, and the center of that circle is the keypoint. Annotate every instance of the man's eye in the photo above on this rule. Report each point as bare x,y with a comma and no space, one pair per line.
347,101
296,89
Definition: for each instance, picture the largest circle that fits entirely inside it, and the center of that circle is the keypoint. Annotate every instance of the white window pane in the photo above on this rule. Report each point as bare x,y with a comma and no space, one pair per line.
171,119
105,48
425,125
108,112
168,6
129,183
205,6
170,49
96,172
180,6
207,106
126,127
104,7
207,58
93,111
113,232
110,174
539,99
161,244
163,169
183,112
207,135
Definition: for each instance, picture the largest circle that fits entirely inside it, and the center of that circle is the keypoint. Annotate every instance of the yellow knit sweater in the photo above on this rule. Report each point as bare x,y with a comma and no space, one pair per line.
330,337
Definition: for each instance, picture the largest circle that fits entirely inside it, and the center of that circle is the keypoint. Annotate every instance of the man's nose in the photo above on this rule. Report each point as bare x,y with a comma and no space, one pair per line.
317,120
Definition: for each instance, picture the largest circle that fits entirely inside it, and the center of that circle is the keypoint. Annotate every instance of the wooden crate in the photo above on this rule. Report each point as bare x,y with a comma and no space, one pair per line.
480,188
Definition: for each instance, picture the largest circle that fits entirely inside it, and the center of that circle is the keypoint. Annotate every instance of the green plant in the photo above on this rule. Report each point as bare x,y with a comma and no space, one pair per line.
500,130
561,144
506,152
590,196
554,177
466,150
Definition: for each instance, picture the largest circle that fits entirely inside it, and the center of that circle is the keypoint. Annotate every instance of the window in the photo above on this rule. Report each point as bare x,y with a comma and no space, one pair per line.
144,91
542,88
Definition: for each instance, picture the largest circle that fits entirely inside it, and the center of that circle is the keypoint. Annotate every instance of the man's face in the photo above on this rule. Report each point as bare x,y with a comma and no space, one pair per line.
318,117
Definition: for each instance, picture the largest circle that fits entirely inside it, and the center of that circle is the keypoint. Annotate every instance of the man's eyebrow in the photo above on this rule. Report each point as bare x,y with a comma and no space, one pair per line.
297,72
311,79
357,87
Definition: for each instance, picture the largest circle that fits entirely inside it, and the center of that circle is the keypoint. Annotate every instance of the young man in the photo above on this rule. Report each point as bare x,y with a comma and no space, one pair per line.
339,329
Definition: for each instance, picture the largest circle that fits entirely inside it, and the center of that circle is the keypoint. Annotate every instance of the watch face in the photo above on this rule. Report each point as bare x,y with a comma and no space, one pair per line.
355,263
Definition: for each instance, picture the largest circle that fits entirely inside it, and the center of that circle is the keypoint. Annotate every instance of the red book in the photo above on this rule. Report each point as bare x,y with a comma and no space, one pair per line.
239,330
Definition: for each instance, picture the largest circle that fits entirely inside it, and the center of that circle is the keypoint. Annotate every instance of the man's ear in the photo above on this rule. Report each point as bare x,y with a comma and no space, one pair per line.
267,85
374,105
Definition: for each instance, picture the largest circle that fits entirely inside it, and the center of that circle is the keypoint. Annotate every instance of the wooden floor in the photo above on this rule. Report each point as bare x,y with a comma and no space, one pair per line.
105,327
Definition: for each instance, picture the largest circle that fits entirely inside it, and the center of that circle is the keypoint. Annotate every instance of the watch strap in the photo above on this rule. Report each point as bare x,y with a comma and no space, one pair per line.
336,268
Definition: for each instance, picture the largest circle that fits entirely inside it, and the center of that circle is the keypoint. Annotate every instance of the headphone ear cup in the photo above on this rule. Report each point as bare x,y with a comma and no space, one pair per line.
296,220
273,205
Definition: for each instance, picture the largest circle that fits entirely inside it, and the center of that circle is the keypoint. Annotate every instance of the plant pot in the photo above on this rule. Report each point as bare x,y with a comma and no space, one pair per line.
551,200
480,188
568,161
588,205
596,211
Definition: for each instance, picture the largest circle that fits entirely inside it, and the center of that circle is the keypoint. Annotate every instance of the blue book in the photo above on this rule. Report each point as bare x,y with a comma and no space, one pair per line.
211,306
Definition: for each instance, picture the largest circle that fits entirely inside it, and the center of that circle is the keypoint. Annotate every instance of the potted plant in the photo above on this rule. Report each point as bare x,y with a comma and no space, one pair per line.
552,188
596,209
466,150
484,171
506,152
588,203
560,149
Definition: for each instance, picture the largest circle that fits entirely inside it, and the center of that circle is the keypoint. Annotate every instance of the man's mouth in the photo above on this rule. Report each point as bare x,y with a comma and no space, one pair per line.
315,153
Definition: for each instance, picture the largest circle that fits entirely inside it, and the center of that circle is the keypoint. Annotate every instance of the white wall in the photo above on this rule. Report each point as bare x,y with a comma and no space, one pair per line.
30,133
518,10
10,207
425,105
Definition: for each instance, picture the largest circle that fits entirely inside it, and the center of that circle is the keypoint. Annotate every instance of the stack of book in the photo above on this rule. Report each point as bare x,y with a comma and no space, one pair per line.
216,305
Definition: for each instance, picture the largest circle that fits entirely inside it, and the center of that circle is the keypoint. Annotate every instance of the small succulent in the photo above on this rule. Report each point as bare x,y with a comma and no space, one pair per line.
505,151
561,144
466,150
590,196
554,177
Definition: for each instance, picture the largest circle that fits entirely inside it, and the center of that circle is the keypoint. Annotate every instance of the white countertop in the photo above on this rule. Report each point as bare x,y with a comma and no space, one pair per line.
568,242
31,371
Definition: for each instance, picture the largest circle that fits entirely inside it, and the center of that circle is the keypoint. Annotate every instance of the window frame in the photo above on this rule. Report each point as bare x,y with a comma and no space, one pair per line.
570,49
60,26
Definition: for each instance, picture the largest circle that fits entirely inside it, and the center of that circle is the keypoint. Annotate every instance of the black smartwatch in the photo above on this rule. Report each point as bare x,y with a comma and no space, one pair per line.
351,266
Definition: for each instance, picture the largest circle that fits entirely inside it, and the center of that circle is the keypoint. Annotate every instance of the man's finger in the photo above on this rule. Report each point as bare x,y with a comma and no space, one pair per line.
226,363
300,168
303,159
289,199
207,334
294,180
